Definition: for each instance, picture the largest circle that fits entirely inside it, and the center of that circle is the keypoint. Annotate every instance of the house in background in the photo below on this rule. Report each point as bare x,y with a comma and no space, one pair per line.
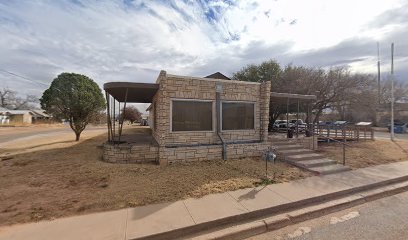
191,119
4,118
23,117
41,116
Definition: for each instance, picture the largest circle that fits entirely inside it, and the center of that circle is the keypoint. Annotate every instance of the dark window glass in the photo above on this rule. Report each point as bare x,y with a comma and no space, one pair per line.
237,116
191,116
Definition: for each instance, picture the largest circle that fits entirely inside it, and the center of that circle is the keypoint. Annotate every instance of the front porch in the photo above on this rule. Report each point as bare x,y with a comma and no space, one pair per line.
137,145
128,144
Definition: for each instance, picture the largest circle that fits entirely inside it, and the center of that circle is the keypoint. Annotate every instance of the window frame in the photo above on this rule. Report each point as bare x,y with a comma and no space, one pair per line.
230,130
213,121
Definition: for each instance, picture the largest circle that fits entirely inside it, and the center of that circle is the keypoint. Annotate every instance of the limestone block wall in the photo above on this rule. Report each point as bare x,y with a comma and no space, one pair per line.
206,145
21,118
307,142
210,152
242,150
127,153
176,147
265,98
173,87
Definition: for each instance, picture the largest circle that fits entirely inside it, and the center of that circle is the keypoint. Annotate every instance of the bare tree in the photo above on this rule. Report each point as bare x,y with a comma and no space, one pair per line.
336,89
10,100
6,98
400,92
351,97
131,114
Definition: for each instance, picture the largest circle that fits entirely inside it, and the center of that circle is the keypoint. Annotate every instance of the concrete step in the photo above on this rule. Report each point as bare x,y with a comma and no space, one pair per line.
306,156
290,152
287,147
314,163
329,169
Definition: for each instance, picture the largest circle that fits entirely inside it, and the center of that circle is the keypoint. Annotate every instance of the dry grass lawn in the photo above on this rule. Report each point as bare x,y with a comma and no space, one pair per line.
69,179
367,153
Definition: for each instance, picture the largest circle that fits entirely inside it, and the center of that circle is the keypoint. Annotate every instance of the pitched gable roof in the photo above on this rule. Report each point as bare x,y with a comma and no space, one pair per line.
218,75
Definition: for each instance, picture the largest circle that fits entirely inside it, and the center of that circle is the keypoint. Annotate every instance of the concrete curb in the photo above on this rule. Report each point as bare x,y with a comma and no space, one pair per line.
279,221
302,205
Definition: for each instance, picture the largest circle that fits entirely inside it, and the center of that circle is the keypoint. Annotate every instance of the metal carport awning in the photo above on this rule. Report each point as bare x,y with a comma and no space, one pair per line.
288,98
136,92
125,92
282,97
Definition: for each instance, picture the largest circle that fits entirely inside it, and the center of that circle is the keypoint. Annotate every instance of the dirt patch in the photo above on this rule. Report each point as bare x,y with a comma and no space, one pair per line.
367,153
70,179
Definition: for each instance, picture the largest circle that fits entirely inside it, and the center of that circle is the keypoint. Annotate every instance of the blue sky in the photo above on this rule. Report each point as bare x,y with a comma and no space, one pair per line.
134,40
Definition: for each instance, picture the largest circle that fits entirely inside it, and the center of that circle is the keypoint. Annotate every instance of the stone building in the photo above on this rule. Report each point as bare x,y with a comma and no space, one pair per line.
192,119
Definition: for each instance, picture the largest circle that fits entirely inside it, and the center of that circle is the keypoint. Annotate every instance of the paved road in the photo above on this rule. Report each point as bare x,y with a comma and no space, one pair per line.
10,134
386,135
383,219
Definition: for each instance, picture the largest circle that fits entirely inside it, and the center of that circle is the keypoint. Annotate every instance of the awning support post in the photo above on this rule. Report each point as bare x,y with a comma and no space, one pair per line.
123,115
297,120
287,118
114,120
108,122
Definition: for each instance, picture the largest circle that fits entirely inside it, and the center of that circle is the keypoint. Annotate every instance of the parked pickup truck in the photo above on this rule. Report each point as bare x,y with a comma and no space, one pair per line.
299,123
281,124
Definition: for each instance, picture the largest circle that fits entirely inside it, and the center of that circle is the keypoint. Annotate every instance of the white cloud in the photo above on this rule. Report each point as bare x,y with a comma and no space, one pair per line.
134,40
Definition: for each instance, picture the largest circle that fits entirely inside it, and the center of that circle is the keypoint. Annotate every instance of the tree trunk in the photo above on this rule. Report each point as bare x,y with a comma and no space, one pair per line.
77,135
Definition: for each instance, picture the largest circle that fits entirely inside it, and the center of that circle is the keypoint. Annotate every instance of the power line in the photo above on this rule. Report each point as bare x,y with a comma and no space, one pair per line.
17,75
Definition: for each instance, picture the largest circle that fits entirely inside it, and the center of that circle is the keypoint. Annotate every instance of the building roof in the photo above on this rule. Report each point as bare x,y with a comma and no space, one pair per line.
283,97
136,92
41,113
18,112
218,75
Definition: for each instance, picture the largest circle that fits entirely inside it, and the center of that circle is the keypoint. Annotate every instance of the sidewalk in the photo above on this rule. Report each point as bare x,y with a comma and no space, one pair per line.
196,214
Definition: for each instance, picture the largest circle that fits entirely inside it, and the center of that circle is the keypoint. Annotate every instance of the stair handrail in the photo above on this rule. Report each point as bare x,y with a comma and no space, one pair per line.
344,142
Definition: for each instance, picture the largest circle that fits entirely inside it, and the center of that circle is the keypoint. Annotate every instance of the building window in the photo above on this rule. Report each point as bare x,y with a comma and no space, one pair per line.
191,116
238,115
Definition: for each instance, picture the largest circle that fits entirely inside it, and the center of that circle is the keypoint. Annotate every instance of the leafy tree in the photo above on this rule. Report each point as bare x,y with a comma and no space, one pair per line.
266,71
74,97
131,114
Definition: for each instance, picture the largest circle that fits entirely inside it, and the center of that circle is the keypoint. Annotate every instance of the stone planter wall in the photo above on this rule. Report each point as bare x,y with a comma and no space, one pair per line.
211,152
126,153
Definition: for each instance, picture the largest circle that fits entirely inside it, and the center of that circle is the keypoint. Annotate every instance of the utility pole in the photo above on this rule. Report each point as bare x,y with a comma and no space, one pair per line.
392,92
379,74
